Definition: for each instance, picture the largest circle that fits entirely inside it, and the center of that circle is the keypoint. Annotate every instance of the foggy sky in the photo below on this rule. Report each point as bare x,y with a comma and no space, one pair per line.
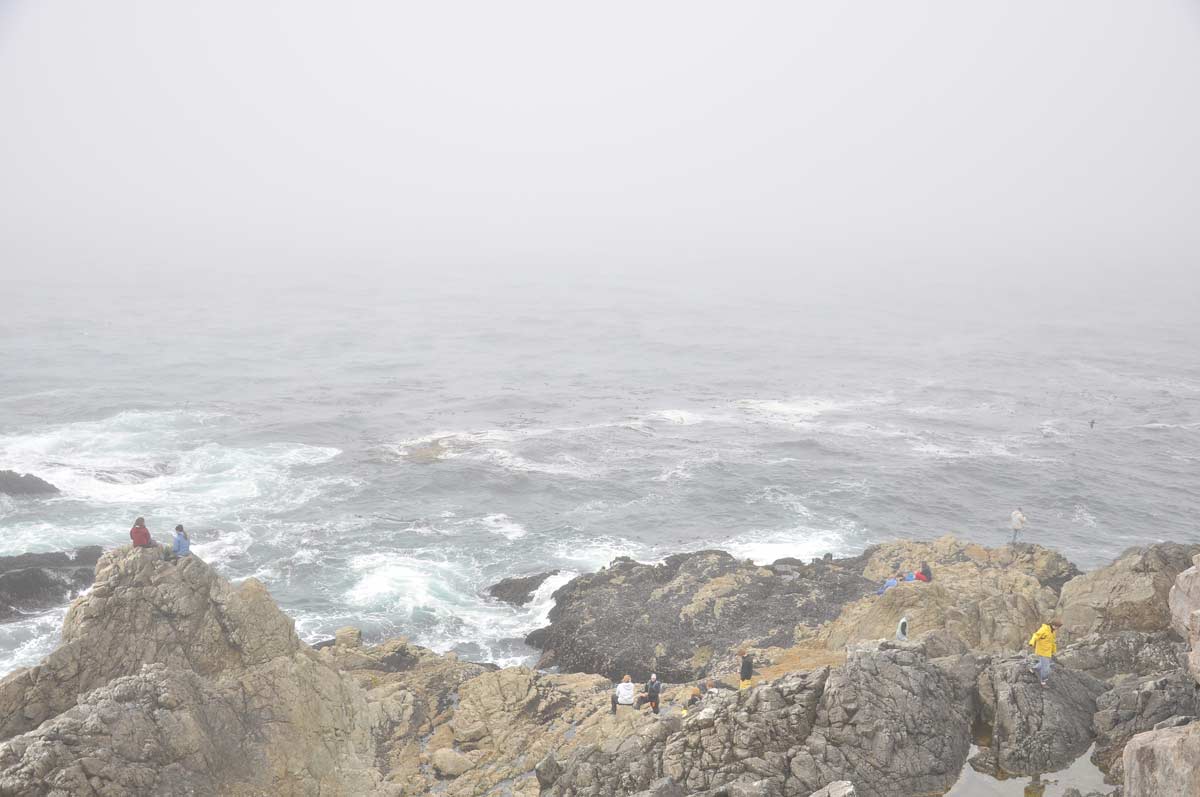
890,137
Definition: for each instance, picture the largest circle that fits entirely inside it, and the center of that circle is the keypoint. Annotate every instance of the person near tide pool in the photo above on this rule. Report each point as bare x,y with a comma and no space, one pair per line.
1044,648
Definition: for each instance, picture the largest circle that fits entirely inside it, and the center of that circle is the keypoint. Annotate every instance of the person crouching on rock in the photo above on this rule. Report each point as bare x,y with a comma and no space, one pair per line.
1044,648
623,694
747,671
140,534
925,574
651,693
181,546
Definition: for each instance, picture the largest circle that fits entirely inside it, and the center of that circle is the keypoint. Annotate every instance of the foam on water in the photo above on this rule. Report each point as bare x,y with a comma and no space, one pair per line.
506,527
25,642
765,547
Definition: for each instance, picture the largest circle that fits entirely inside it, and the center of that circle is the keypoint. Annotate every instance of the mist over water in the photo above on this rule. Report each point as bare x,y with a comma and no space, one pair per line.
379,451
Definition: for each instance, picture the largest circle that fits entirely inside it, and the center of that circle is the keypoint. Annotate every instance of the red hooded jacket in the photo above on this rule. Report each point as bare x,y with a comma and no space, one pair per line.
140,536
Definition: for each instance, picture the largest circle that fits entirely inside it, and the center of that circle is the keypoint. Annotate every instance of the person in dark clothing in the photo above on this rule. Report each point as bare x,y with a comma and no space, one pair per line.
140,534
925,574
650,694
747,672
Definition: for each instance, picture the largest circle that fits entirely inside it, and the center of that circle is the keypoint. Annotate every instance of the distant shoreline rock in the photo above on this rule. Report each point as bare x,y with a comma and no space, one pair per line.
24,484
518,590
34,582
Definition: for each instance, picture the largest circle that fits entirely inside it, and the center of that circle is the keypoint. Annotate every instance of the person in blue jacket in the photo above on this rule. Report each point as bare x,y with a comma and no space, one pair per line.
182,545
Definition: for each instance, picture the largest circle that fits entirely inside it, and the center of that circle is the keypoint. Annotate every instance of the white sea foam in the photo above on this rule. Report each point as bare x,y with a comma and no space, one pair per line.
1083,516
28,640
678,417
764,547
502,524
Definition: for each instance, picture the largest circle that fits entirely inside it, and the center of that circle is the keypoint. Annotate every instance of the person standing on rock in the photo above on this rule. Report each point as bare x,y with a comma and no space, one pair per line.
651,693
623,694
747,672
1018,523
140,534
1044,648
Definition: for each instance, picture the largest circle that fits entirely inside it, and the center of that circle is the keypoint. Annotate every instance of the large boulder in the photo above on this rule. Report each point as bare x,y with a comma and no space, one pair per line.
34,582
1135,706
1184,604
1163,763
1035,729
1048,567
171,681
1125,654
1131,594
24,484
518,590
673,618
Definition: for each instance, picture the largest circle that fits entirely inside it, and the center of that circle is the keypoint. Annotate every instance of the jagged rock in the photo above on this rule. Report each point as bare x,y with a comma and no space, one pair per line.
886,718
33,582
1124,654
348,637
1163,763
518,590
1184,604
1131,594
674,617
24,484
1048,567
231,701
841,788
1036,730
1136,706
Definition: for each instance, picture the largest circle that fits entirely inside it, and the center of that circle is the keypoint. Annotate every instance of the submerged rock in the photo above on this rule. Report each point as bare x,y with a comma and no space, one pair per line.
24,484
34,582
519,590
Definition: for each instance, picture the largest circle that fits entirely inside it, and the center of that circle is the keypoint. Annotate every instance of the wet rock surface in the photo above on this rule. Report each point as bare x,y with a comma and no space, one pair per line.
24,485
36,582
673,618
518,590
1133,707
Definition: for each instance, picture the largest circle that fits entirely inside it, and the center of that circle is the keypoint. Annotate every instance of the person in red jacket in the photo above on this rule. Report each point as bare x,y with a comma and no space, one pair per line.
140,534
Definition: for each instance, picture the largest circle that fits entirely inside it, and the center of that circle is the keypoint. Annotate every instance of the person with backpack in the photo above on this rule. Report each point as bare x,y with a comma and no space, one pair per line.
140,534
651,694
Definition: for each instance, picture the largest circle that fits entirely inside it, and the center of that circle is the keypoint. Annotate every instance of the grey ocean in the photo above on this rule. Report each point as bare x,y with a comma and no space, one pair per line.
377,455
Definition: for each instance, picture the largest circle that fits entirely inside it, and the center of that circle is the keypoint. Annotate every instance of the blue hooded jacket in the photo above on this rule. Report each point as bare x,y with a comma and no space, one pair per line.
181,547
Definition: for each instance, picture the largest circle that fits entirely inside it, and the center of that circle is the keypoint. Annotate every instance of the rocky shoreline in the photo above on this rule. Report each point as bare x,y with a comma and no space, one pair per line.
172,681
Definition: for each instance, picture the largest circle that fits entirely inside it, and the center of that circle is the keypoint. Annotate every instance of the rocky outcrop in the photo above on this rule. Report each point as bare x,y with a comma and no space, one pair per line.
1035,729
24,484
34,582
674,617
841,788
1136,706
1163,763
171,681
1125,654
1184,605
889,720
1131,594
518,590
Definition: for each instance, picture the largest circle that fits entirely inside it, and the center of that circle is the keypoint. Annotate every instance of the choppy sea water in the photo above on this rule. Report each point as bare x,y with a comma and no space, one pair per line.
378,455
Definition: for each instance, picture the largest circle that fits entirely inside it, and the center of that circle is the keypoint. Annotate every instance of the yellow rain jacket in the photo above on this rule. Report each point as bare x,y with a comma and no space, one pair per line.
1043,641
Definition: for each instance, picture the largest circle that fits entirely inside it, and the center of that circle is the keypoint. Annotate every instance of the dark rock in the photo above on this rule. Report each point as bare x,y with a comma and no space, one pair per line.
547,771
321,644
1125,653
34,582
1036,729
1136,706
18,484
677,617
518,590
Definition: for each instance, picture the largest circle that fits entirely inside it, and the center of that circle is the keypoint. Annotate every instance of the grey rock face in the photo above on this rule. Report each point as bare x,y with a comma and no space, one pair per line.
1163,763
889,720
842,788
36,582
1037,730
1136,706
673,618
1122,654
24,484
518,590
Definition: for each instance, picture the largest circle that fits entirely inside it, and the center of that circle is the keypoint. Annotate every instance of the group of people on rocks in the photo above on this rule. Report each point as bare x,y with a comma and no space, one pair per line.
925,574
625,693
181,544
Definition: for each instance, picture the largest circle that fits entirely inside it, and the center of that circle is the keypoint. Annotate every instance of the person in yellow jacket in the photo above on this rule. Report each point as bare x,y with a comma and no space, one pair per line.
1044,648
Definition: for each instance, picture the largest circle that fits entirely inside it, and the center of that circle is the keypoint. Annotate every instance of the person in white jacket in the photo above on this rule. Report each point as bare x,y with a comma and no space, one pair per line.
623,694
1018,523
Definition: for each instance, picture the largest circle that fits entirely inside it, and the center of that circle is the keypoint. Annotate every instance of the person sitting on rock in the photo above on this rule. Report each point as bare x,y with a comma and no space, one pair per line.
140,534
623,694
1044,648
747,671
891,582
651,693
925,574
910,576
182,544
